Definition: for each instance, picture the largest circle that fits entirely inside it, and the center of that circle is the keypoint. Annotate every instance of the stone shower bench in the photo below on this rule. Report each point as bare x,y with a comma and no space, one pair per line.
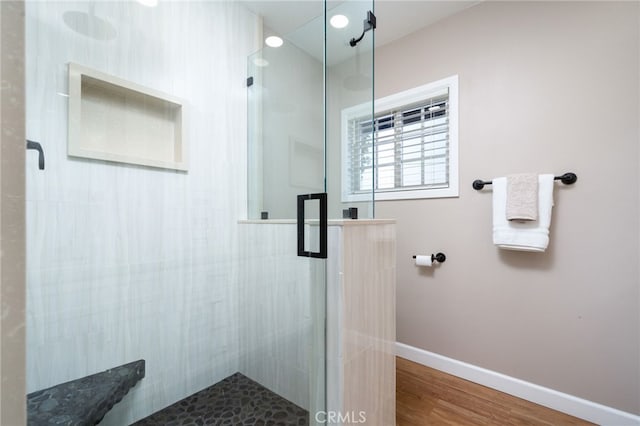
84,401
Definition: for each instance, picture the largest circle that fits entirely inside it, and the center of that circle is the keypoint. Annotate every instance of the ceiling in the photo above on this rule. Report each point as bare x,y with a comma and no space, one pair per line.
301,22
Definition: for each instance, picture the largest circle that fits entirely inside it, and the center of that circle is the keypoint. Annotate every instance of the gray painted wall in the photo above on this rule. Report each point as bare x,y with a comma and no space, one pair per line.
544,87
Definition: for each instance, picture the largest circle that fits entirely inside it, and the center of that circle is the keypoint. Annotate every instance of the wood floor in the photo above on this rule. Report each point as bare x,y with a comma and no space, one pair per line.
425,396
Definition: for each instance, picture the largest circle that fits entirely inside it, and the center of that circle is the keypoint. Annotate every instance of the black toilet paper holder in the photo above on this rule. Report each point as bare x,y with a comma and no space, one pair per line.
438,257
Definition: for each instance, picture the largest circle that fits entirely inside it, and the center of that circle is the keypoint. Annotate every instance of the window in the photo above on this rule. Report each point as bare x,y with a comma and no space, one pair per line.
408,150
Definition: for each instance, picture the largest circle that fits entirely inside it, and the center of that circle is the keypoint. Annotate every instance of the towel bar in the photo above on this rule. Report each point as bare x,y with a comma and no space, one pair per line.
567,179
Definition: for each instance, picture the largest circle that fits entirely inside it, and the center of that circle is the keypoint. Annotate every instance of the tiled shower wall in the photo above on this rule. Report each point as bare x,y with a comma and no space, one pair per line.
282,314
361,321
127,262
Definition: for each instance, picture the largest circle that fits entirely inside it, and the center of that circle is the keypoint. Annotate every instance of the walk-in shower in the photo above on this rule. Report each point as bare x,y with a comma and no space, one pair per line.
163,231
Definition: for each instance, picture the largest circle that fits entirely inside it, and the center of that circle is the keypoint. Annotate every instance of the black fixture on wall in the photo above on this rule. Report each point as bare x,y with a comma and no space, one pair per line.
567,178
369,24
438,257
37,147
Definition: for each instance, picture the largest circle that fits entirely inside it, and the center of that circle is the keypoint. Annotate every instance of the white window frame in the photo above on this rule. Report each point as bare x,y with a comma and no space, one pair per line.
399,100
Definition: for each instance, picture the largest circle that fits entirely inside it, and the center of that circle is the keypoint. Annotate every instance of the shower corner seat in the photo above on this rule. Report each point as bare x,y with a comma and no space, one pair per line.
86,400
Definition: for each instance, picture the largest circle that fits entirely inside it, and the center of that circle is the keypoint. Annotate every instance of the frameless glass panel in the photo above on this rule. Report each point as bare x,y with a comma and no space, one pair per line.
286,147
351,156
282,335
349,77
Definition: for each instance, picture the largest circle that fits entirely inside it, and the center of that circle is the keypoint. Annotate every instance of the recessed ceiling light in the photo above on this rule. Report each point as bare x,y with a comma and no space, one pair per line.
148,3
339,21
260,62
273,41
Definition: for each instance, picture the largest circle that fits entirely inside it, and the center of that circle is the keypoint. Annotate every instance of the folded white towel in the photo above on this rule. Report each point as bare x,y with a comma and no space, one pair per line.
525,236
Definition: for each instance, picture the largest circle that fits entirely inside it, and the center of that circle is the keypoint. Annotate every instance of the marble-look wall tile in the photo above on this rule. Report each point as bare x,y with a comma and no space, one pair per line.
127,262
12,221
361,334
281,311
335,319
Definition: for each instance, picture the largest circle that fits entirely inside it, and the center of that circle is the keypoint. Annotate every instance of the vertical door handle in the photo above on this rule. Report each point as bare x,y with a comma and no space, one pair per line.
322,197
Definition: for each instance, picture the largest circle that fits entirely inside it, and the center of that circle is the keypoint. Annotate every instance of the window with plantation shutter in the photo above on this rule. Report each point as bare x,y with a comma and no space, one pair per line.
407,148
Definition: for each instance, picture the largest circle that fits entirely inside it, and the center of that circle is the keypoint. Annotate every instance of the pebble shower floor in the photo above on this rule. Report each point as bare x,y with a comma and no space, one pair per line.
236,400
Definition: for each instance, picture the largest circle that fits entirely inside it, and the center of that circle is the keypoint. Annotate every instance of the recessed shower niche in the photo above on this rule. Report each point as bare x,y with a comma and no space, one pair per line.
116,120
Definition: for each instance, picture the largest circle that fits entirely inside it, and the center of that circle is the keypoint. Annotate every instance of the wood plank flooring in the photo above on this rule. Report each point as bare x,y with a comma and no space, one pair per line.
425,396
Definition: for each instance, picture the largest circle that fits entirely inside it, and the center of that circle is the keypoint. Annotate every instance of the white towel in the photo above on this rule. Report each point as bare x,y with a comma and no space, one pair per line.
522,197
526,236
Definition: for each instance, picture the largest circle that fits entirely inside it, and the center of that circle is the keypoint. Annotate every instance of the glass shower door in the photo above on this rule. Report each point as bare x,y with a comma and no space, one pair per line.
282,294
296,96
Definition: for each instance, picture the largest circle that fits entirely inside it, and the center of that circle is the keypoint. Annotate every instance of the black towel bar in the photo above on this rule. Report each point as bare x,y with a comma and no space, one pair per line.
567,179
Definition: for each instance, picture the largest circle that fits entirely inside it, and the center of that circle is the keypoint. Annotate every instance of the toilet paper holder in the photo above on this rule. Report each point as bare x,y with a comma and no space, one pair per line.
438,257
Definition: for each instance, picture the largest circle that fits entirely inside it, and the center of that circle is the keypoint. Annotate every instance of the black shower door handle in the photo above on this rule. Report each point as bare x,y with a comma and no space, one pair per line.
322,197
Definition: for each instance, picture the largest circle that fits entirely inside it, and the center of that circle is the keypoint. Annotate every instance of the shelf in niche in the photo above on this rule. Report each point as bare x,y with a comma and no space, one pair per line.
116,120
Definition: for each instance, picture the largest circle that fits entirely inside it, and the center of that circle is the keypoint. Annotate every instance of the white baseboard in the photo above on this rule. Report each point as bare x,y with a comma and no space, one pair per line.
569,404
